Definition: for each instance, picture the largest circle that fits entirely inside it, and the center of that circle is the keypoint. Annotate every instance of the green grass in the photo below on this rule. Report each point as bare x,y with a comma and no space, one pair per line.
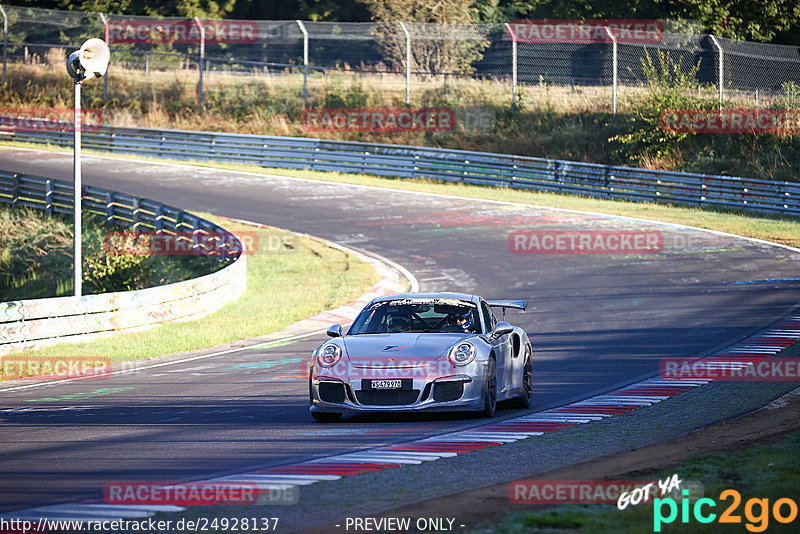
764,471
35,254
298,279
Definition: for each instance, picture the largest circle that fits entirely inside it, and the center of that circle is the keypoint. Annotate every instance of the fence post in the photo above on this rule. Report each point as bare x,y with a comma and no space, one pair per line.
110,207
202,60
613,67
14,190
48,197
5,42
305,62
106,34
721,70
136,215
408,64
513,67
159,218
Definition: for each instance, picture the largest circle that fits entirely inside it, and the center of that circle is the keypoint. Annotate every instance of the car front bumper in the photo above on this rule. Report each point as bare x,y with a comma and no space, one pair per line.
461,391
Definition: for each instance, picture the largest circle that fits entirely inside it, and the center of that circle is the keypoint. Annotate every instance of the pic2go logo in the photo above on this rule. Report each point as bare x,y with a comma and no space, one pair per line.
756,511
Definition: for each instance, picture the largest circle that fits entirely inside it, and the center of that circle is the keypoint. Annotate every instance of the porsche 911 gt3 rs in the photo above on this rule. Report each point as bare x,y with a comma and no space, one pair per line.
422,351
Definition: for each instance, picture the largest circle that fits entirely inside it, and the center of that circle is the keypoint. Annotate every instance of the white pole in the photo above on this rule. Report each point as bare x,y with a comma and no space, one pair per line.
513,66
613,67
106,34
5,41
408,64
78,196
92,56
305,62
721,72
201,65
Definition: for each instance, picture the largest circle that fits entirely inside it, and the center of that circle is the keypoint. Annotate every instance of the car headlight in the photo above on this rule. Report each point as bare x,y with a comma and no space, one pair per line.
462,354
329,355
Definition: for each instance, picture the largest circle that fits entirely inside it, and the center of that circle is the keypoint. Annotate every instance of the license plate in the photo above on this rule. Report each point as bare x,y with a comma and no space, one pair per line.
386,384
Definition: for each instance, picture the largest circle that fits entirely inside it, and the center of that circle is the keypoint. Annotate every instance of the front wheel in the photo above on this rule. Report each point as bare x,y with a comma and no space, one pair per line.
490,393
524,399
326,417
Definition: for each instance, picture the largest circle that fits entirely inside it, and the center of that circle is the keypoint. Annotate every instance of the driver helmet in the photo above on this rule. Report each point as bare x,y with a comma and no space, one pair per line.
465,320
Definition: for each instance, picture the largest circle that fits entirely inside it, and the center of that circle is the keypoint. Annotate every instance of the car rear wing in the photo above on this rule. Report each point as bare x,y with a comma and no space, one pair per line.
516,304
505,304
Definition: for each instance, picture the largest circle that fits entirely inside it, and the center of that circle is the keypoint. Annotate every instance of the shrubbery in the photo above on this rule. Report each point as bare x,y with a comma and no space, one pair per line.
36,258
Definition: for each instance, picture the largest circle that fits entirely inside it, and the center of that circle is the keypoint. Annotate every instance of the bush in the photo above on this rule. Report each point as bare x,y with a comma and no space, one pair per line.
669,87
36,258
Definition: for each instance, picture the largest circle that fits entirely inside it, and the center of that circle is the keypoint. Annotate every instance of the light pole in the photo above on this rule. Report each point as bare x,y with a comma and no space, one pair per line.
90,61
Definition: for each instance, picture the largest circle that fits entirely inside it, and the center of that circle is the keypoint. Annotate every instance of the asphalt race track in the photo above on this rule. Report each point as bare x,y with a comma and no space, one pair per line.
596,320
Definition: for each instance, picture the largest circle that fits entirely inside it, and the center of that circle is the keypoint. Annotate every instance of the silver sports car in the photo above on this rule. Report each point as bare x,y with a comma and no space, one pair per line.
415,351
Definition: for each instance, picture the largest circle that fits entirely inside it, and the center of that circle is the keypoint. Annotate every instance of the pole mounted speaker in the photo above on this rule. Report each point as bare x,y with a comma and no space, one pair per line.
91,60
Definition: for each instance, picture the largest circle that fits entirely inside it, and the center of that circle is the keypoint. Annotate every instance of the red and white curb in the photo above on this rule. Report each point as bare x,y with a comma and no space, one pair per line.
633,397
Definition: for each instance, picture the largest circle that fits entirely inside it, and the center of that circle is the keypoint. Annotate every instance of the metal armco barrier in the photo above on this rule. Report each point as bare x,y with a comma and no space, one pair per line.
40,322
588,179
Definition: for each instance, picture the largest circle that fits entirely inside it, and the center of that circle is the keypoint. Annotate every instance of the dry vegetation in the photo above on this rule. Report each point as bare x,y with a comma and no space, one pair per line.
550,121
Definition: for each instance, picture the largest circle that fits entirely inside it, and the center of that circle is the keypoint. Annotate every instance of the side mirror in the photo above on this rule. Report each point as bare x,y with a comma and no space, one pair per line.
335,330
501,328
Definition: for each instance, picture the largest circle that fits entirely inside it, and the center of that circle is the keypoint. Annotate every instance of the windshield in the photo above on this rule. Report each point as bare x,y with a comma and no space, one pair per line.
418,315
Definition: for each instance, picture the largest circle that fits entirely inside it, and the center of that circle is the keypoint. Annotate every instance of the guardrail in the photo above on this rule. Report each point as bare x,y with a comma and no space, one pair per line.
589,179
40,322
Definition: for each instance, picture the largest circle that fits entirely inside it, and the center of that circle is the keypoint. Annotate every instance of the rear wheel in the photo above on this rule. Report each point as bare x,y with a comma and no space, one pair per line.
326,417
490,393
524,399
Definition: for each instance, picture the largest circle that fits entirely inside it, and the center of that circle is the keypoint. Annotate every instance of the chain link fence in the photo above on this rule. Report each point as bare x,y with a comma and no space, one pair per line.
407,59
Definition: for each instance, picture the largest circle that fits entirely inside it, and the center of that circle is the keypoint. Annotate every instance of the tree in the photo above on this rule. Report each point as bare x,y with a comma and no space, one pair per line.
750,20
452,45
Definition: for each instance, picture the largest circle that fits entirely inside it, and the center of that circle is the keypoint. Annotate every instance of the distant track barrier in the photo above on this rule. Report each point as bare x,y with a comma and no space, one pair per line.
40,322
483,168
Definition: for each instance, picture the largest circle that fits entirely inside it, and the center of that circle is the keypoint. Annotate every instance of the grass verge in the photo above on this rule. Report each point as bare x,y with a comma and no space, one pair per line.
299,278
762,471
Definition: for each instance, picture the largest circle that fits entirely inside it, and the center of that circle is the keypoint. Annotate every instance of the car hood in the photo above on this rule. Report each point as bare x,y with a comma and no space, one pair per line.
398,349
